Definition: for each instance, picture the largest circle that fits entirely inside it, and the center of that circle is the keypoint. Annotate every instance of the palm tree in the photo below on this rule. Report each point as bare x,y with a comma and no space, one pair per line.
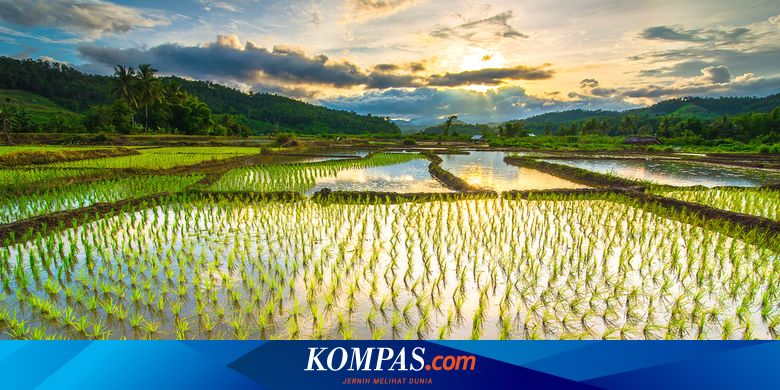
628,124
150,89
126,87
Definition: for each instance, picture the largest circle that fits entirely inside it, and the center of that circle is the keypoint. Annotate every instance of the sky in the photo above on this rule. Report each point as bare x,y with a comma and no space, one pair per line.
422,60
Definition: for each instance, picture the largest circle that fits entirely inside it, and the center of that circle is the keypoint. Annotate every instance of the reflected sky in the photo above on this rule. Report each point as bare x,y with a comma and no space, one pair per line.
678,173
488,170
411,176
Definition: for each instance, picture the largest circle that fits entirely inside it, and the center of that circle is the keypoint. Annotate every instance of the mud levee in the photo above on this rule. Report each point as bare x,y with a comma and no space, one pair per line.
576,175
446,178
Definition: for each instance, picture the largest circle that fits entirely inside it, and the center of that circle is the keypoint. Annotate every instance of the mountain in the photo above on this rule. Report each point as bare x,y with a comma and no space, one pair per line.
77,91
411,126
682,108
703,107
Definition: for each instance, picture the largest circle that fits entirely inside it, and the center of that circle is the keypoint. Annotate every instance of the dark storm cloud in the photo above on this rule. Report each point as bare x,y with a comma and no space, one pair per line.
226,59
223,61
496,26
489,76
87,17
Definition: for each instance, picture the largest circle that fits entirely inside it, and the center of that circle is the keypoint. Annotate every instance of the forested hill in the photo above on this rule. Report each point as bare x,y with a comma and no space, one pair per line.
78,91
701,108
270,111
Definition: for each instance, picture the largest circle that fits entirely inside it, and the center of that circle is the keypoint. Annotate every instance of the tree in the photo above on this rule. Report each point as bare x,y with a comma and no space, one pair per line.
646,130
126,87
512,129
447,125
6,121
23,119
100,117
150,89
191,116
628,124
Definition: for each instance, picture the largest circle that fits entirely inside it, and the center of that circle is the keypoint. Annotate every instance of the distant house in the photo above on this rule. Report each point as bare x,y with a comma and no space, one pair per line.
477,138
637,140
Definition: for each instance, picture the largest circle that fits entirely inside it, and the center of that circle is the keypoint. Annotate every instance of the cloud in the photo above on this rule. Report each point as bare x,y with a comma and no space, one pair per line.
359,11
714,36
715,80
775,20
413,67
481,30
426,105
589,83
15,33
227,59
223,5
490,76
716,74
591,88
688,62
92,18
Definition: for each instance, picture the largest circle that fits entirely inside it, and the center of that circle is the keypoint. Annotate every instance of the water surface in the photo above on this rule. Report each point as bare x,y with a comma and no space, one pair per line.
488,170
678,173
411,176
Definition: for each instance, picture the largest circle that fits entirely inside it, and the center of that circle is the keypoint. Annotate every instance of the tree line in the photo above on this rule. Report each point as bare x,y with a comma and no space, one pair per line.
171,104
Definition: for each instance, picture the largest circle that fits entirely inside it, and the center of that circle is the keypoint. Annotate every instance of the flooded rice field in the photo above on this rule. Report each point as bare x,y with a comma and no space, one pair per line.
488,170
492,268
408,177
677,173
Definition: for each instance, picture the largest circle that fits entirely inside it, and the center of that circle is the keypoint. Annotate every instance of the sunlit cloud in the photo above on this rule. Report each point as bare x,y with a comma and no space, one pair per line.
359,11
487,61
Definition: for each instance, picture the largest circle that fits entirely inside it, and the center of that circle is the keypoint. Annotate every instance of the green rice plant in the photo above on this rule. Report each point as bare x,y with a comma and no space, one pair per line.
300,177
136,320
161,158
99,331
484,268
182,327
16,329
61,199
151,327
754,201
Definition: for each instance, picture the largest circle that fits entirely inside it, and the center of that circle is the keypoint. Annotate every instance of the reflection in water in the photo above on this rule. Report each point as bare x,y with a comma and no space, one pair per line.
488,170
677,173
411,176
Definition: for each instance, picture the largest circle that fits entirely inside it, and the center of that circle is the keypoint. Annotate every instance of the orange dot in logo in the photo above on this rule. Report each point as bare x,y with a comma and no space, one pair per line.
427,367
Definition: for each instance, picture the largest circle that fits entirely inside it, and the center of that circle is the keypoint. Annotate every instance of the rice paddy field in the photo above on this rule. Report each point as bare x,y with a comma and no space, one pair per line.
260,251
337,174
36,148
676,173
161,158
754,201
15,178
72,197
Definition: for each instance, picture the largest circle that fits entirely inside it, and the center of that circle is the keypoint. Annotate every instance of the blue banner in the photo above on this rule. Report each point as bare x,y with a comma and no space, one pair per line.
432,364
